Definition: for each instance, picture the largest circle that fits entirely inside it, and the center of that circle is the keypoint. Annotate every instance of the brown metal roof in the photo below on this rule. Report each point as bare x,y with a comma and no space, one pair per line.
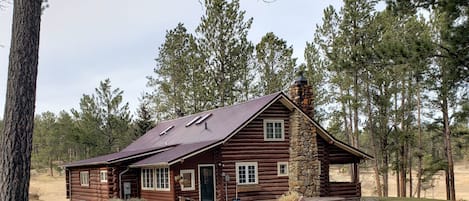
183,137
219,125
115,157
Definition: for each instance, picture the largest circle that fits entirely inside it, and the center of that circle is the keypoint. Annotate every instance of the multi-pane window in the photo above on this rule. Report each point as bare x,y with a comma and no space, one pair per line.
273,130
162,178
246,173
84,178
282,168
188,180
147,179
103,175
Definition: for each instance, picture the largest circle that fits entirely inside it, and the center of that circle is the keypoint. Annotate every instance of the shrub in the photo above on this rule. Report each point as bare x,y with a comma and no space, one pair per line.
290,196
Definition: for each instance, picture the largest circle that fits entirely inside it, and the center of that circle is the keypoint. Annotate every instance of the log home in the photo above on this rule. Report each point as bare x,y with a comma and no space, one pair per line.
255,150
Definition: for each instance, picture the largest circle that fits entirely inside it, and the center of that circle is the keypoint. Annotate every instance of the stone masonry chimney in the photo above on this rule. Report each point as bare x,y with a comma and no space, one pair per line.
304,164
301,93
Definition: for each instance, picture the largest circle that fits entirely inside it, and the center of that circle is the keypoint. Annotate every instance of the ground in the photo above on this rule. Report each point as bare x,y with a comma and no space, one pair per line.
53,188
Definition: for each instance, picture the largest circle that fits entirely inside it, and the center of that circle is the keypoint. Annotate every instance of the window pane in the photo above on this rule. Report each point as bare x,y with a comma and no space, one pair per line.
270,130
187,180
242,174
252,174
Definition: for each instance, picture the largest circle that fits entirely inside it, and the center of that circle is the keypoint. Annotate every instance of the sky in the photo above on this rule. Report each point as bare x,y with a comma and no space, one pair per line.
87,41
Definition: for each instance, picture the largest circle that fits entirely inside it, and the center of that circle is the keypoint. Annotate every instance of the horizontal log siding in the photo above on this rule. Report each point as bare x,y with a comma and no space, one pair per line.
192,164
249,146
345,189
160,195
96,191
323,156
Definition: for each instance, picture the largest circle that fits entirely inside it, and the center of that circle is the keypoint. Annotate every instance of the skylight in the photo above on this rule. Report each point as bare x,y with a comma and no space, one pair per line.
203,118
192,121
166,130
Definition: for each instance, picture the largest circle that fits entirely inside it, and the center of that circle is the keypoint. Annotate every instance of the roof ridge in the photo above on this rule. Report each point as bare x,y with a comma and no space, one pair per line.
220,108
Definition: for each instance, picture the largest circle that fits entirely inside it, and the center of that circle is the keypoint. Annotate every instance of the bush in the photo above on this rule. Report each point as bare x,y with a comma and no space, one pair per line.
290,196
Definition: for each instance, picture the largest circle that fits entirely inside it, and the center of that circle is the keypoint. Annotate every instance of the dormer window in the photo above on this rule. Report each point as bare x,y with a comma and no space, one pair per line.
274,130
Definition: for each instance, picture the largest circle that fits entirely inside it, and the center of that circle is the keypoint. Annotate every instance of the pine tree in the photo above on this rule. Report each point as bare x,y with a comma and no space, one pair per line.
222,38
180,84
144,121
16,138
104,120
274,63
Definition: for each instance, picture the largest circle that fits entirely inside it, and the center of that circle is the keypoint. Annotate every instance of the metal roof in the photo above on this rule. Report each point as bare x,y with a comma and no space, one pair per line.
183,140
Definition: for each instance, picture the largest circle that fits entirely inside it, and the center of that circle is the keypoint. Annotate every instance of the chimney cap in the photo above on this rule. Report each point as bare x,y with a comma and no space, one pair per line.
300,80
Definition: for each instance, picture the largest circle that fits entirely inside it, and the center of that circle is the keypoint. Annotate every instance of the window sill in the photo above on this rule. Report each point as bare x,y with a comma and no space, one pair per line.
249,188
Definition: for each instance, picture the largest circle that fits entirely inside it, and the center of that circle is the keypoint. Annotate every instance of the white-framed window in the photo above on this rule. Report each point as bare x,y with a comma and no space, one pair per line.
148,179
246,173
103,176
274,130
162,178
188,180
282,168
84,178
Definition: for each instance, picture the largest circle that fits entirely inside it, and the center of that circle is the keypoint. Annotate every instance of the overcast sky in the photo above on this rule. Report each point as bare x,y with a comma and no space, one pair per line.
84,42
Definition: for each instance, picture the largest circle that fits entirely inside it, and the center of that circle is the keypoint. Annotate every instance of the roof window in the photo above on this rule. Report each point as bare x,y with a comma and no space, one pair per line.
192,121
166,130
203,118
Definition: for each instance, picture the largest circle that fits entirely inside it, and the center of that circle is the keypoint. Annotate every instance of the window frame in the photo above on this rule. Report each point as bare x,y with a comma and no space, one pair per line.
152,181
279,164
246,165
157,179
282,132
192,172
101,173
84,178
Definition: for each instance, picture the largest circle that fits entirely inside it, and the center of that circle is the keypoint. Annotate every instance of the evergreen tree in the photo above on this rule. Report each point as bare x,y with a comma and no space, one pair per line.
274,63
316,73
16,138
227,52
104,121
180,84
144,121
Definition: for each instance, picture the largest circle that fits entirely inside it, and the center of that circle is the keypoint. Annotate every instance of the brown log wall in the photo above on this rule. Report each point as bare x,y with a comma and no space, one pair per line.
249,146
96,191
332,154
159,195
206,158
344,189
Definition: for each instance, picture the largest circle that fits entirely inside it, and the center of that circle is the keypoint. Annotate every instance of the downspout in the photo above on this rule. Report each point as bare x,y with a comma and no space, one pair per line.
120,182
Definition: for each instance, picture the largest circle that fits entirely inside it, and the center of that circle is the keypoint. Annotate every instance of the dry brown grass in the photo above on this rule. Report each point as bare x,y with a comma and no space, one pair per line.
290,196
53,188
47,188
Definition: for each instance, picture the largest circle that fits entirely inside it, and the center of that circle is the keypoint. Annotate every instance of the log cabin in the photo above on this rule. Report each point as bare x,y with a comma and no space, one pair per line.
256,150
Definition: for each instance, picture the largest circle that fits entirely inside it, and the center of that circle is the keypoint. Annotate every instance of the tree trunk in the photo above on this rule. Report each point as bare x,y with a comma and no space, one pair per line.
410,170
373,143
398,172
450,191
420,148
16,141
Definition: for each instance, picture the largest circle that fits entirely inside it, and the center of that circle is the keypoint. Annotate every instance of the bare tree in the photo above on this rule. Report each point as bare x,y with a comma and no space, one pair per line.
16,141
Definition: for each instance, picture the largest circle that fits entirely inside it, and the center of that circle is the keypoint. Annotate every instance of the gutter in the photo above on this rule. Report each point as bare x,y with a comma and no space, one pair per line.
120,182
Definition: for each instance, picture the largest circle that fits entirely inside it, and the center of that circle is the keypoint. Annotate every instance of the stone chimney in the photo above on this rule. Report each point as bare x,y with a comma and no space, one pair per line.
301,93
304,165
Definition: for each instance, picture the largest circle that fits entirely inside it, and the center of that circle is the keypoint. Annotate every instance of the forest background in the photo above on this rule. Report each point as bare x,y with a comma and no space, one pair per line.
393,82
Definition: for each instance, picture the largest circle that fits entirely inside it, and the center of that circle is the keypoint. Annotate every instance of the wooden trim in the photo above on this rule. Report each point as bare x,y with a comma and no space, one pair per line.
214,179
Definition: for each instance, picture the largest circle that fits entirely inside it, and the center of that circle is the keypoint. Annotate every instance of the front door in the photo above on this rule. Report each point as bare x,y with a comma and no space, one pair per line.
207,182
